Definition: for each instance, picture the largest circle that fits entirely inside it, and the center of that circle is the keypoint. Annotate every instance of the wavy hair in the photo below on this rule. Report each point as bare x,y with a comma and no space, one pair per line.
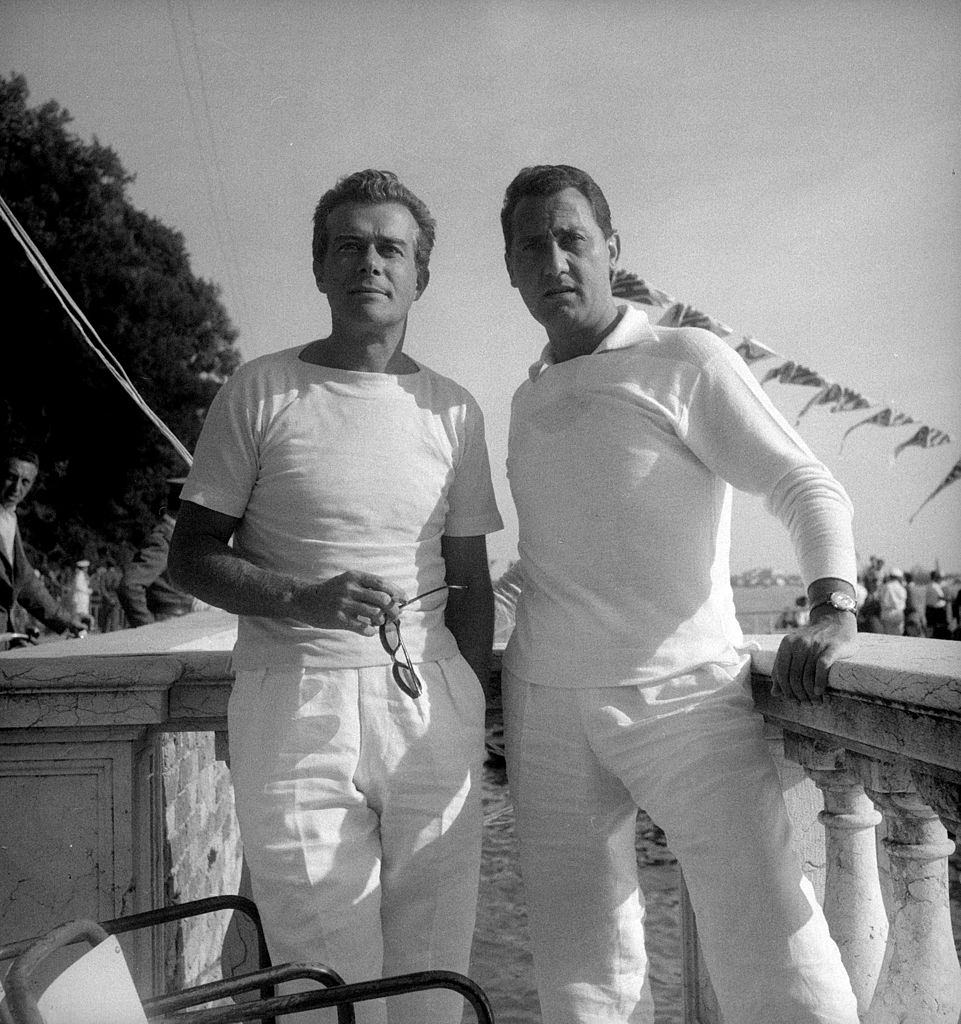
372,186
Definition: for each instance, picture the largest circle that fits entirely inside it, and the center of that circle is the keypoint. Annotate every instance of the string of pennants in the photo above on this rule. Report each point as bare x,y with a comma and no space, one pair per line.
829,393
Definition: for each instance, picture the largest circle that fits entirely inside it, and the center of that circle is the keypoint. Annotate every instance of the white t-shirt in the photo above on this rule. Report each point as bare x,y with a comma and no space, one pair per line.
621,464
893,596
8,531
330,470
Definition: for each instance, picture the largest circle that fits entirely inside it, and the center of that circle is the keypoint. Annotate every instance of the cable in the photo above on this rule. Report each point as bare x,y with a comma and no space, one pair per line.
211,165
83,325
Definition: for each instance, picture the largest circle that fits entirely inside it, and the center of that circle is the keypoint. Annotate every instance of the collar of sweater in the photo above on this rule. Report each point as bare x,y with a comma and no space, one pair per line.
633,328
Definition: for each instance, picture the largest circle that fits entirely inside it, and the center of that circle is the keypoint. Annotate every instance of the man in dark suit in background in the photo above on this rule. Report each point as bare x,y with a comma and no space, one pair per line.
146,592
19,583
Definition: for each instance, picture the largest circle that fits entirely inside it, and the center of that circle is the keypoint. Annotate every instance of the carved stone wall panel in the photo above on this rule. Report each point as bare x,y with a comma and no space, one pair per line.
65,848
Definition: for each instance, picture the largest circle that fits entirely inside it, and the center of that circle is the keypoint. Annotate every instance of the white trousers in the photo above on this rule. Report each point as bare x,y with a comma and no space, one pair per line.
360,817
580,762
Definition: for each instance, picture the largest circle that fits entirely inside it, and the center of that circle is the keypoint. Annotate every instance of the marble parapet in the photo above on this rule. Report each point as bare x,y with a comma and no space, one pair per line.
179,671
173,674
898,698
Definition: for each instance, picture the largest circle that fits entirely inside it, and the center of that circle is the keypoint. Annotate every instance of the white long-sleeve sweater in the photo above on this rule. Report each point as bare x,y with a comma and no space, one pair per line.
622,464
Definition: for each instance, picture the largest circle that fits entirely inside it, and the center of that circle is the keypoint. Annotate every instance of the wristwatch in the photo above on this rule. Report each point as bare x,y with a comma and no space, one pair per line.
839,601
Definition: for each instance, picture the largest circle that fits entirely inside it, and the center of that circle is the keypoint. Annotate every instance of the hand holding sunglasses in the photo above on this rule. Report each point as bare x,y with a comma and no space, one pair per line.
402,669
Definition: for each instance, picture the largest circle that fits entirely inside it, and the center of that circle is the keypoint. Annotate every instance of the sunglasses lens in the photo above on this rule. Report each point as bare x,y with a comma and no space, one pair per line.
390,636
402,670
406,679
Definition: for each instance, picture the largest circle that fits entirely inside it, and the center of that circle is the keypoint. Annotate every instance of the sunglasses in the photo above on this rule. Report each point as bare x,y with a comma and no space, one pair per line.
402,669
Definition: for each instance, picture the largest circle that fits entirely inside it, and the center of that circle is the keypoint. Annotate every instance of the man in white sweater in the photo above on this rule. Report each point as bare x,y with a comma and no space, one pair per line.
625,677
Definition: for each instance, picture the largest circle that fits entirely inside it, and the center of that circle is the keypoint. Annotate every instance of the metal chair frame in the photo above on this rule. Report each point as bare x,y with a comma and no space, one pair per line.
164,915
21,1001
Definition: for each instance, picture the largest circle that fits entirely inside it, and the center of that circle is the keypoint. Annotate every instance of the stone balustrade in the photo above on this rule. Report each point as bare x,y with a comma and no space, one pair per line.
95,803
114,792
884,751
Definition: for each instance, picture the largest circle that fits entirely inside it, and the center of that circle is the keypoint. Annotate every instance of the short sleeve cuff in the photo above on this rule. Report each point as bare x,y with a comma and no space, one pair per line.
213,499
473,526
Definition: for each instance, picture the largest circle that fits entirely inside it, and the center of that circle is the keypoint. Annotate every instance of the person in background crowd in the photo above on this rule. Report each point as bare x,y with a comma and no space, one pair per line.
796,617
914,624
874,574
78,590
356,486
104,585
19,583
892,599
936,608
860,593
625,676
869,608
147,593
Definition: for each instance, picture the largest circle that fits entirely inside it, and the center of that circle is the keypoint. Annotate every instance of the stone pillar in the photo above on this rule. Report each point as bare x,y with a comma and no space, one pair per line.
920,979
853,904
945,798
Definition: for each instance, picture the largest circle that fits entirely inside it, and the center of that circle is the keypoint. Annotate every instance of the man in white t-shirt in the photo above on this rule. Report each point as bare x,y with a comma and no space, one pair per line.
354,486
625,676
893,598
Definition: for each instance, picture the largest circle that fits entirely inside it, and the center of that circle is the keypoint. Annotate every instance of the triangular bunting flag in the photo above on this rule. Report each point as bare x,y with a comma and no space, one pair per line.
828,394
793,373
775,373
840,398
629,286
695,318
751,350
886,417
924,437
850,401
680,315
951,478
672,316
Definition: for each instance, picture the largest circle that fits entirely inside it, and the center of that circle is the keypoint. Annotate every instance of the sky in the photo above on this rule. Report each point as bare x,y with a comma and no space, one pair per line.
787,167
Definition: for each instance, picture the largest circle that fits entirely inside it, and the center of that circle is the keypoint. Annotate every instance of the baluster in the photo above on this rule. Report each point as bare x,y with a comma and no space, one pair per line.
920,979
853,904
945,798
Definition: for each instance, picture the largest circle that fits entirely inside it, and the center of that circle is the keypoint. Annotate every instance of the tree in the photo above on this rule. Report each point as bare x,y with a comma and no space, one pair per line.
103,463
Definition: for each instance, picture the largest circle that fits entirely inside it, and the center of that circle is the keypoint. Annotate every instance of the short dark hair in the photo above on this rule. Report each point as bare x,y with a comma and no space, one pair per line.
547,180
19,452
372,186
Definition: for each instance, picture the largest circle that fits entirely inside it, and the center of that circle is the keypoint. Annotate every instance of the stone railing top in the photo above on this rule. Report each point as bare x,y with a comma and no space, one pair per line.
903,669
195,647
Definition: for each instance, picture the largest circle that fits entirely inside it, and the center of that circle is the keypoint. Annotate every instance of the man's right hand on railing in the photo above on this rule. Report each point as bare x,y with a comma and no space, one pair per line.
805,656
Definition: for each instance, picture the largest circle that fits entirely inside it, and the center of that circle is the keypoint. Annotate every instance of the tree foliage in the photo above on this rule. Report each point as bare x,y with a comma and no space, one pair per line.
103,463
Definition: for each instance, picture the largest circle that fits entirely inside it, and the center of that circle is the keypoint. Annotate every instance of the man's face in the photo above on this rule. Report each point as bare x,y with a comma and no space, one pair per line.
368,272
17,481
560,262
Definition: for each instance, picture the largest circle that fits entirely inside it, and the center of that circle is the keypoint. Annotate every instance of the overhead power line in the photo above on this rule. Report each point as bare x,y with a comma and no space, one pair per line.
211,164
